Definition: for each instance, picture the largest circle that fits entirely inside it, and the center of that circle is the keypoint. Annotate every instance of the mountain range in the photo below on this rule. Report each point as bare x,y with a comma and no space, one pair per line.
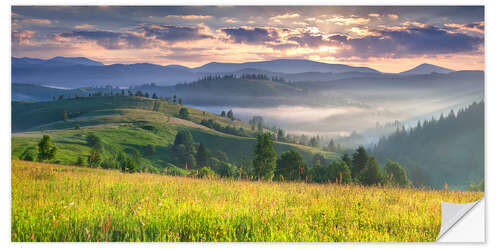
72,72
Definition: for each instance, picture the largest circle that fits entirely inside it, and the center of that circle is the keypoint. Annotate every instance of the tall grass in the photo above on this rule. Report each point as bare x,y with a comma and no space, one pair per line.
62,203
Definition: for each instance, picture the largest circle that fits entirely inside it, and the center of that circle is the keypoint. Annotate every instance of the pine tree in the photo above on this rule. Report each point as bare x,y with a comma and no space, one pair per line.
264,161
46,151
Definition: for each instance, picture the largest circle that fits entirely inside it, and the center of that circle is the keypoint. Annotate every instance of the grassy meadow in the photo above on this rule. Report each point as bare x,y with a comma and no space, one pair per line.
64,203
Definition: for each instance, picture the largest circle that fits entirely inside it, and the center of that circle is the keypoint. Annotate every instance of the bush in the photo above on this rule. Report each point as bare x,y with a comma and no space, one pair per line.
184,113
396,174
28,154
95,159
206,172
80,161
94,141
171,169
109,163
225,169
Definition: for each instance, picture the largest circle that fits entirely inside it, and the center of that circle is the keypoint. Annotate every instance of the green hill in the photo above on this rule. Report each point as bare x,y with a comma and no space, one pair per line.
128,123
447,150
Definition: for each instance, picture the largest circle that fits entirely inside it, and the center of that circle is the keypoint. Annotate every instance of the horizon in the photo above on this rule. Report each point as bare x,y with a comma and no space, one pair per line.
387,39
165,65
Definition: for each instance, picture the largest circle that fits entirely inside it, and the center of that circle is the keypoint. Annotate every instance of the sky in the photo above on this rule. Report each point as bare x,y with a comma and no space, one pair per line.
389,39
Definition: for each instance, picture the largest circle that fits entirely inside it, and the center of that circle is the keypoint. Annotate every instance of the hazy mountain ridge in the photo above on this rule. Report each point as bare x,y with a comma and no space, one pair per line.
82,72
426,68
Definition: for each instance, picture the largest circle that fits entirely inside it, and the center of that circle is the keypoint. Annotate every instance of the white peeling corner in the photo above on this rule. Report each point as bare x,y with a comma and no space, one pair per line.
452,214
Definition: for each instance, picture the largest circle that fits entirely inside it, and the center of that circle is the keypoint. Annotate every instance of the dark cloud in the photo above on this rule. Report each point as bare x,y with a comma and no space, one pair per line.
171,33
108,39
309,40
251,35
395,43
410,41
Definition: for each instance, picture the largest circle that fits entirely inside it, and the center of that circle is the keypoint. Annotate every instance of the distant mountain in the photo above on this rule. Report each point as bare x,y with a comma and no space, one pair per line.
289,66
75,72
426,68
58,61
122,75
62,61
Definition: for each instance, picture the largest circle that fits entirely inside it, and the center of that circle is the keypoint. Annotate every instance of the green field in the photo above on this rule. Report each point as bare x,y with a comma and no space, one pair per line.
63,203
125,122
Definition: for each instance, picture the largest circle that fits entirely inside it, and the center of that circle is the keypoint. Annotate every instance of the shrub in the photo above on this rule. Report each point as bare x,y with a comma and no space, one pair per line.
206,172
184,113
396,174
94,141
28,154
80,161
171,169
94,160
225,169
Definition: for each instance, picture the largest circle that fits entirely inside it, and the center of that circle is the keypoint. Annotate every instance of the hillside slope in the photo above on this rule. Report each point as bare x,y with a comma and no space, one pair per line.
448,150
126,123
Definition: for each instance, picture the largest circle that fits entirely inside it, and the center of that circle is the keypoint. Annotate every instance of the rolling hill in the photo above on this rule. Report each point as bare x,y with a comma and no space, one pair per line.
128,123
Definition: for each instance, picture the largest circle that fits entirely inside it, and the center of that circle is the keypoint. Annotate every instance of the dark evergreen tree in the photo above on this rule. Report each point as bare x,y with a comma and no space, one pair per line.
371,174
359,161
202,156
264,161
290,165
46,150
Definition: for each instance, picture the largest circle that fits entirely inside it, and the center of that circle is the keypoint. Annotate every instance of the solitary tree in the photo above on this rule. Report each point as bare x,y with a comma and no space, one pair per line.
264,161
223,113
46,151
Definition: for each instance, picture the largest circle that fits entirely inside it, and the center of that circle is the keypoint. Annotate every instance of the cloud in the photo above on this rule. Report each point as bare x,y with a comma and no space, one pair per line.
22,37
105,39
283,17
374,15
309,40
230,20
84,26
412,41
393,16
351,20
37,21
477,27
251,35
174,34
189,17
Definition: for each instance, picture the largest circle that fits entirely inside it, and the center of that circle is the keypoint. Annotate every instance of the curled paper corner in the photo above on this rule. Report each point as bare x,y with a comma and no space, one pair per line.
452,213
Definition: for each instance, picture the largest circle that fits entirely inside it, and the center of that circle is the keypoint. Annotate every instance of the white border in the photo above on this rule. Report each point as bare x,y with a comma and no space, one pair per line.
492,99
